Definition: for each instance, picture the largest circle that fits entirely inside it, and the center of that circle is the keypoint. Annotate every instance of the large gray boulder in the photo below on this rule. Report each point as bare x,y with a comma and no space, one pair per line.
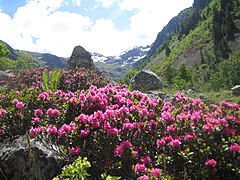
146,80
20,159
236,90
81,58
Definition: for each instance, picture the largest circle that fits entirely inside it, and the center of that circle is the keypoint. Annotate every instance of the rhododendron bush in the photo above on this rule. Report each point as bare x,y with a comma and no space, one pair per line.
124,133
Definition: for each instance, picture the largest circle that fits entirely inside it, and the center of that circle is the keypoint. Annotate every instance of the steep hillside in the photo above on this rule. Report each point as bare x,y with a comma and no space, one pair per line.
50,60
163,36
204,44
14,59
12,52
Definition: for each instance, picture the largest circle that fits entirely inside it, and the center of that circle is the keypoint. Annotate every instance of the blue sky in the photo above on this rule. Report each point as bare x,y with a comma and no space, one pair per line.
104,26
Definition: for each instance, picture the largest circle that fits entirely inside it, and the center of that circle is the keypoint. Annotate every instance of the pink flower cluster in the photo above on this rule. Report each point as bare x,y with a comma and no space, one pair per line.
235,147
18,104
53,112
119,150
211,162
146,132
75,150
3,112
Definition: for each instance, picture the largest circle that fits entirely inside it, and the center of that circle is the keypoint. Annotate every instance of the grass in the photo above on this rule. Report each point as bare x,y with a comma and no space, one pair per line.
210,97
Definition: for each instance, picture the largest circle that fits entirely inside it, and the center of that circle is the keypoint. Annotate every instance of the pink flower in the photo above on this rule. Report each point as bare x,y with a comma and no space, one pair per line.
175,143
20,105
144,177
211,162
118,151
3,112
167,106
189,136
179,97
128,126
136,154
35,120
75,150
126,144
123,110
72,126
146,160
51,129
208,127
171,128
229,131
235,147
44,96
62,132
167,116
109,113
50,112
84,133
40,129
168,138
196,115
56,112
156,172
161,142
32,131
2,132
83,118
112,131
144,112
66,127
38,112
15,101
229,105
53,112
140,168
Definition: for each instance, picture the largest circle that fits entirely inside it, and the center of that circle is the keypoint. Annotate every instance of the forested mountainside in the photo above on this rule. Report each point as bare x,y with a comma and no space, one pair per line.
202,50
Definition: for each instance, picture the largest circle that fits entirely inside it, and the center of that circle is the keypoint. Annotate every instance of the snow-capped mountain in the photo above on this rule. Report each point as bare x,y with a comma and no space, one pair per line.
125,59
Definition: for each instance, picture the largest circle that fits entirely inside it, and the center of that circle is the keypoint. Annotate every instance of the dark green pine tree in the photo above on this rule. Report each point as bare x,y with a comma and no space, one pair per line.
183,72
169,74
229,26
167,50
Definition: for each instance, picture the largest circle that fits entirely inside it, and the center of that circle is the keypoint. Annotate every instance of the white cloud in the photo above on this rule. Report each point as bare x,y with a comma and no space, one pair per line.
55,31
152,15
76,2
40,26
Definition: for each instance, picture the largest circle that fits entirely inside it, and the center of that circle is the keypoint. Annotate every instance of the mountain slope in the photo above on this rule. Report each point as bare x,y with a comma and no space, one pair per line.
124,59
12,52
163,36
117,66
50,60
204,47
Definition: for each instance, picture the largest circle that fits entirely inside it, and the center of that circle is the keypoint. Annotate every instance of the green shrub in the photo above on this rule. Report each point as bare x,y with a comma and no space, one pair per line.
75,171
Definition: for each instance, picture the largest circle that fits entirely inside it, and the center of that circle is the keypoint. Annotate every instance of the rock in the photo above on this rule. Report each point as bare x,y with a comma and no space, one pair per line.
146,80
157,94
206,99
20,160
236,90
5,74
81,58
189,91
